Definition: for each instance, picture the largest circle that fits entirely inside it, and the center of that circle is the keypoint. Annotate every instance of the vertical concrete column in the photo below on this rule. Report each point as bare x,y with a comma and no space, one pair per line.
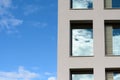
109,75
109,40
108,3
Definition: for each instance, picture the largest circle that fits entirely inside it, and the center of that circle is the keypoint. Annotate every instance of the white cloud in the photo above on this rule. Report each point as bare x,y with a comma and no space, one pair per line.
82,42
52,78
81,3
29,9
8,21
21,74
5,22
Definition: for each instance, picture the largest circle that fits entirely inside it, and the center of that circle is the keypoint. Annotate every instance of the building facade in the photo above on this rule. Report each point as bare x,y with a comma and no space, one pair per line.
88,40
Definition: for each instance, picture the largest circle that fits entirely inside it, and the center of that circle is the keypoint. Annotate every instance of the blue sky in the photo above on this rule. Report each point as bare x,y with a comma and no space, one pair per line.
28,39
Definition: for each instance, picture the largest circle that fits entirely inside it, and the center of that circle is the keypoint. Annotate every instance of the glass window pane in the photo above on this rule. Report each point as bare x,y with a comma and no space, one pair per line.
116,41
115,3
113,39
112,3
116,76
82,42
82,76
112,74
82,4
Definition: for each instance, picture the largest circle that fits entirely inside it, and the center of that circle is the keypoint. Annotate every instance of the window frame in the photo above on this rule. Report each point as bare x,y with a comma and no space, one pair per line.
74,25
115,24
81,71
111,70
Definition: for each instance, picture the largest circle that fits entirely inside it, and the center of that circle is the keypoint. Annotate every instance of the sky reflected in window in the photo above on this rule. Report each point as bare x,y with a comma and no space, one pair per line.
112,4
82,76
82,4
115,3
116,76
116,41
82,42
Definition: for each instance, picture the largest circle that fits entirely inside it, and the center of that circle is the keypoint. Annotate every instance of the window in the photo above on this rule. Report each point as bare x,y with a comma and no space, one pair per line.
81,4
112,3
112,30
81,38
82,74
113,74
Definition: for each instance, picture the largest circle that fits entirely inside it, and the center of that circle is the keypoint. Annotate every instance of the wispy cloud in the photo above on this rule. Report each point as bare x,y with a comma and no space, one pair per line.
21,74
40,24
5,3
29,9
8,21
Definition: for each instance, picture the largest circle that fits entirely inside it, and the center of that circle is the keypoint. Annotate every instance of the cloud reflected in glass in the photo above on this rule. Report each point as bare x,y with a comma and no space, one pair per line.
82,77
116,41
82,4
82,42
